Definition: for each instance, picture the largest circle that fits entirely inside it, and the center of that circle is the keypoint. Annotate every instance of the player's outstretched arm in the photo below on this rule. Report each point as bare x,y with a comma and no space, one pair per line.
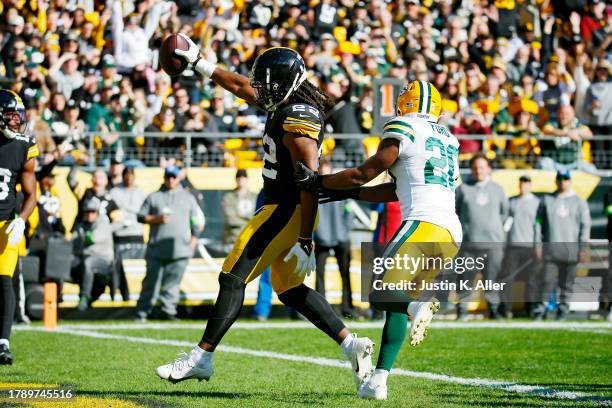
237,84
350,179
387,154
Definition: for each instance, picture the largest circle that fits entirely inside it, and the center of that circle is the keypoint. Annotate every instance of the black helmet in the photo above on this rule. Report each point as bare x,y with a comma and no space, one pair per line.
276,74
12,113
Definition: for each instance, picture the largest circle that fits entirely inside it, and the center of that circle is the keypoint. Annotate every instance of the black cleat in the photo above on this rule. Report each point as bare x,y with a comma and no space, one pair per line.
6,357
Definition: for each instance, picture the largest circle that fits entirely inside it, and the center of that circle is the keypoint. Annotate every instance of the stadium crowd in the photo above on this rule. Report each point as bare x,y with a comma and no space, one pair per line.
518,68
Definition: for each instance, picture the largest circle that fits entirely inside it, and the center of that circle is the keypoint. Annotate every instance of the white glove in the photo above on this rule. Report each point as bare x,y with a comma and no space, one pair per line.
15,231
193,56
303,250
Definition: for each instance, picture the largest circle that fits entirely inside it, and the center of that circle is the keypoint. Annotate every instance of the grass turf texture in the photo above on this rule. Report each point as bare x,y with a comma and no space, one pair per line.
101,368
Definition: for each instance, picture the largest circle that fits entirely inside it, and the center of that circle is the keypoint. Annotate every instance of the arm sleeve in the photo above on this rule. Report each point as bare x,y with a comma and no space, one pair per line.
153,20
46,170
196,218
117,30
145,210
539,222
505,205
585,224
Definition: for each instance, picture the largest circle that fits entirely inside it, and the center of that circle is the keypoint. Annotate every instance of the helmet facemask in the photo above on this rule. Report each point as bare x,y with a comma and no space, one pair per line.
13,123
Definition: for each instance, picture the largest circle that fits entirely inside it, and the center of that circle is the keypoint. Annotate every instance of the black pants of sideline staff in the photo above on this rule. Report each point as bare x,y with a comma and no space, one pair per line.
342,253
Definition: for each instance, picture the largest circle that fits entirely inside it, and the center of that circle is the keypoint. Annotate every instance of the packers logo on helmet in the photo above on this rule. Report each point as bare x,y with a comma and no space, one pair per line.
421,98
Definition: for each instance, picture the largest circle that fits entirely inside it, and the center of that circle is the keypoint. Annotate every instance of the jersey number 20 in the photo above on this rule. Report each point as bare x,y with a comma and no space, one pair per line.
442,161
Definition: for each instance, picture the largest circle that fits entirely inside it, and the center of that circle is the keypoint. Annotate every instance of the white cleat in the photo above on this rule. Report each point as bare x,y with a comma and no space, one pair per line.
422,313
186,367
360,357
369,390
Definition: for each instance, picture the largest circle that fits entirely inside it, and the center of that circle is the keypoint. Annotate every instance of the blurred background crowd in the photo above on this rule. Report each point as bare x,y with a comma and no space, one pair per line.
537,71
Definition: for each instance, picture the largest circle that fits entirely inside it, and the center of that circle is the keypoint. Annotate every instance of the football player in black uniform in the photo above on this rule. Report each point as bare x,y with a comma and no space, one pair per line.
17,163
281,229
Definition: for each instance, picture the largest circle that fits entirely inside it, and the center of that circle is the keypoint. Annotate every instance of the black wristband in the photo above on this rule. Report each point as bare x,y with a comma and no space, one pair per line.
194,63
305,244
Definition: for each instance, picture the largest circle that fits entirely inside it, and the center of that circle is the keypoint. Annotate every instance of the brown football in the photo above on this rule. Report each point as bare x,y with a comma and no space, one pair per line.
169,61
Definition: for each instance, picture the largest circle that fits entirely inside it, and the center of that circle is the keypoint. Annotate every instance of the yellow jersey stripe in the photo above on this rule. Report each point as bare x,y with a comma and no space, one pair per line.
317,128
301,130
306,122
32,152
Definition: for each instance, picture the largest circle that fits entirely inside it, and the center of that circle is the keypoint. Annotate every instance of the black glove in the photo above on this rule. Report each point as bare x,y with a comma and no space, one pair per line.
305,178
327,195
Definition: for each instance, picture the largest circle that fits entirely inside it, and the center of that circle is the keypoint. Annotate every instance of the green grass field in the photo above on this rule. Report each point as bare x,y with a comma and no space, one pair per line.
275,365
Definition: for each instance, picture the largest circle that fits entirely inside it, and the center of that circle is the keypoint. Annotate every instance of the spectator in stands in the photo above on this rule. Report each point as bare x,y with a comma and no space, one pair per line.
65,74
238,206
115,173
98,191
598,100
93,250
129,199
565,150
173,215
225,121
479,198
521,65
332,234
130,40
554,91
562,233
181,107
519,260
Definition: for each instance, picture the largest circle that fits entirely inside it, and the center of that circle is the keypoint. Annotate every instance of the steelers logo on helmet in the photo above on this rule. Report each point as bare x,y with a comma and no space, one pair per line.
12,114
275,76
420,98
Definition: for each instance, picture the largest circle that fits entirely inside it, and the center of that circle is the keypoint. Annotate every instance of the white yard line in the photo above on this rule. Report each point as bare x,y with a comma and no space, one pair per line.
601,327
503,385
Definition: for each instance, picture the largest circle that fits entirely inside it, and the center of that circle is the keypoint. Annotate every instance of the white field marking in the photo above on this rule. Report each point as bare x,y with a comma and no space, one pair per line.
478,382
592,327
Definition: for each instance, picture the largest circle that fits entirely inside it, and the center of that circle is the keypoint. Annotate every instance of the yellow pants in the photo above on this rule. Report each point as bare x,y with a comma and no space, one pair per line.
9,254
265,241
429,244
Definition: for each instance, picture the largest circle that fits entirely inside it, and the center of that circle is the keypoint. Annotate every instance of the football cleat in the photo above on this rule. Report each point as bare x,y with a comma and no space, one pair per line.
186,367
6,357
360,357
370,390
422,313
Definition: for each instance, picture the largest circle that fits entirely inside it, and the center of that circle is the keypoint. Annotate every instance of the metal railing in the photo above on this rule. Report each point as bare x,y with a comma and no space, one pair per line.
216,149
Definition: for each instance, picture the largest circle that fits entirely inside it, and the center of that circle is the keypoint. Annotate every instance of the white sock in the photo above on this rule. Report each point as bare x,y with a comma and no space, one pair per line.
198,353
379,377
347,344
5,342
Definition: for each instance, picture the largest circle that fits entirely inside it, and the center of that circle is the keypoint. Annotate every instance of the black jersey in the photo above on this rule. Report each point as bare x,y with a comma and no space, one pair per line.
297,118
14,153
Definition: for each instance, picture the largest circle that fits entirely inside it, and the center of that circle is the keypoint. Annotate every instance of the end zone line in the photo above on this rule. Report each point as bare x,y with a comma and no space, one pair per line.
502,385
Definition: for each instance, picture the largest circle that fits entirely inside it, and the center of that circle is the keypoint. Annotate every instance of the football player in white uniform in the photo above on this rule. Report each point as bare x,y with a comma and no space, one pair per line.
422,158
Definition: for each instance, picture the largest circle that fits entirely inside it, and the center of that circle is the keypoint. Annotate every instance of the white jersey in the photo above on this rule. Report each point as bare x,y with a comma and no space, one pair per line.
425,171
